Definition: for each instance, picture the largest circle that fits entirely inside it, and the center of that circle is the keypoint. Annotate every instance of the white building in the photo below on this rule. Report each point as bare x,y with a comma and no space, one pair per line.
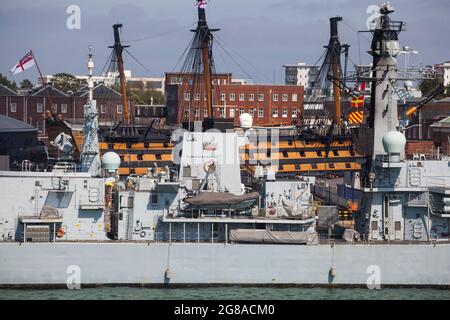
301,74
133,83
446,67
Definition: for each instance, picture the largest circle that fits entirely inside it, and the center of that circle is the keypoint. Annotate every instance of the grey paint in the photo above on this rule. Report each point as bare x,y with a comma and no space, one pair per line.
143,263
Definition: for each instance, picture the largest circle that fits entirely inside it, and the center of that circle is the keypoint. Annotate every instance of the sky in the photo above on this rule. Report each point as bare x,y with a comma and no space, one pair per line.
258,36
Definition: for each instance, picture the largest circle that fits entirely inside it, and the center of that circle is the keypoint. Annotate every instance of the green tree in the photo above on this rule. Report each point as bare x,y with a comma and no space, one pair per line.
8,83
67,82
145,97
429,84
26,84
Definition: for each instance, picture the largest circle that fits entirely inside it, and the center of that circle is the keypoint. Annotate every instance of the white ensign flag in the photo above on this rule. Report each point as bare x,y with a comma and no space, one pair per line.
24,63
201,4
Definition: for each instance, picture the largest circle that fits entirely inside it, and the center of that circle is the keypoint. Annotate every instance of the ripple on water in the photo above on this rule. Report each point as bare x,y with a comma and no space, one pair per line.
228,293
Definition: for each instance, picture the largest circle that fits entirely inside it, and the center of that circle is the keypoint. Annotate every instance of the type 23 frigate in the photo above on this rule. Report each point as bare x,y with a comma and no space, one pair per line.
199,225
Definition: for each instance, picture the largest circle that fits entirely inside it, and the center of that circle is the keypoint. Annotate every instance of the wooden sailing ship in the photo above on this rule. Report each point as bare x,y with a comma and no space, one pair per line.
317,143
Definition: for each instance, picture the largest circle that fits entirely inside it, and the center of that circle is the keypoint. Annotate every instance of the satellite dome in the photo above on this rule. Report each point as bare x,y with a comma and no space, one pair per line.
394,142
409,85
245,120
111,161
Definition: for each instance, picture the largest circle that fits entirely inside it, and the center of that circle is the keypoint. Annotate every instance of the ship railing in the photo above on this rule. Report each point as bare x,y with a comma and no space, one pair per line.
417,199
65,167
189,237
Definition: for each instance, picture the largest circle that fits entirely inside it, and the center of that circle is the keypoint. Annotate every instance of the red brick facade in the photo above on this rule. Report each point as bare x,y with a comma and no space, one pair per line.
30,108
268,104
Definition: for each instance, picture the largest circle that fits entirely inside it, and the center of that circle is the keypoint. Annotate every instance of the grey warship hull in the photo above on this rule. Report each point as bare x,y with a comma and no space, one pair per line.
24,265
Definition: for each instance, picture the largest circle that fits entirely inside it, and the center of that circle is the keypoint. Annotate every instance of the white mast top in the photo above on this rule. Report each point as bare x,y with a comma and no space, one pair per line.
90,82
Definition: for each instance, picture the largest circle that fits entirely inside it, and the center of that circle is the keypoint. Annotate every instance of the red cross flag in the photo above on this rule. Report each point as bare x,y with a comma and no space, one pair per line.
357,102
24,63
201,4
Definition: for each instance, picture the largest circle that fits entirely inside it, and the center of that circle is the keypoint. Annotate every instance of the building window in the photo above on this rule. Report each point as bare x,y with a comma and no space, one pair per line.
205,112
39,108
222,112
154,198
294,97
55,108
186,115
197,96
197,112
251,97
64,108
222,97
284,112
285,97
187,96
175,80
275,97
261,113
294,113
241,111
102,108
119,108
261,97
251,111
275,112
241,97
231,112
13,107
232,96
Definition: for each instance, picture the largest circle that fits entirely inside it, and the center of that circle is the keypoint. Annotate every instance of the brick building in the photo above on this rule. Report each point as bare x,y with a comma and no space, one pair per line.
268,104
31,106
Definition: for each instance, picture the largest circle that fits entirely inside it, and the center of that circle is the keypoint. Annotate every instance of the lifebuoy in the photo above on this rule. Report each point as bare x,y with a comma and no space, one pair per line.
143,234
60,233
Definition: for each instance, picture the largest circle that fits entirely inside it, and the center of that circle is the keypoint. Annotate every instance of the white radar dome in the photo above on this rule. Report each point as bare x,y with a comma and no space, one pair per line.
394,142
111,161
245,120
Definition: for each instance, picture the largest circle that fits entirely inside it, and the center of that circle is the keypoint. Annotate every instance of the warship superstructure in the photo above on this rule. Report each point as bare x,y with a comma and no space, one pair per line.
199,222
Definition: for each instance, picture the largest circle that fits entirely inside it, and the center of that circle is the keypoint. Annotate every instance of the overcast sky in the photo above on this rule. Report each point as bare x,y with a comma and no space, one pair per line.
260,35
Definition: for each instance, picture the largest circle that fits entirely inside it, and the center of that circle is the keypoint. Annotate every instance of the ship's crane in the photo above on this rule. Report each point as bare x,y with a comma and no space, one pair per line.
438,90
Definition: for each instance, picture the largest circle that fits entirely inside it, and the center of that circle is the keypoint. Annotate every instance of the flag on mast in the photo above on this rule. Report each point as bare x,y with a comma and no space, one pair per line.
201,4
26,62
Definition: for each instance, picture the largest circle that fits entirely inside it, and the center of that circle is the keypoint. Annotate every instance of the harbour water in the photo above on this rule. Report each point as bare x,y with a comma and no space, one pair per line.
228,293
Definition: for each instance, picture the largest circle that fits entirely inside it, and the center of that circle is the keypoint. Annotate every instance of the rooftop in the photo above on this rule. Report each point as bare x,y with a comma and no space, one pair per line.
8,124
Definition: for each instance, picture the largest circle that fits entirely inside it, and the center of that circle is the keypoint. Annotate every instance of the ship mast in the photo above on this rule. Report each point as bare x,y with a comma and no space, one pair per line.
205,42
90,159
335,49
118,50
385,48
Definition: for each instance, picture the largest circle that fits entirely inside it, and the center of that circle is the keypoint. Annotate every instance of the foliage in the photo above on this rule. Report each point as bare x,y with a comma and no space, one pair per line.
26,84
67,82
145,97
8,83
427,85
